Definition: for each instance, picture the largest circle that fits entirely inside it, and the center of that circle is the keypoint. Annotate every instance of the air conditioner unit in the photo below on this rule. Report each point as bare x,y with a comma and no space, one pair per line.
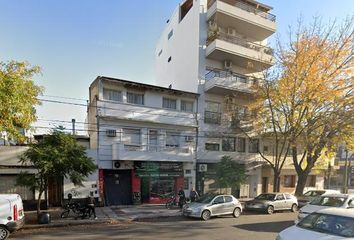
111,133
203,168
122,165
189,138
227,64
231,31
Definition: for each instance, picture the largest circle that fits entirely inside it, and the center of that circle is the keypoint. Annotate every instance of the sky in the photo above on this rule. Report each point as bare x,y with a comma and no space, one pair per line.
74,41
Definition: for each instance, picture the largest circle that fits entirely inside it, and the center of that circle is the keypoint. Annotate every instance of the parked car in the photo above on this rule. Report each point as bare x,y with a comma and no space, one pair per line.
270,202
311,195
329,224
11,214
213,205
327,201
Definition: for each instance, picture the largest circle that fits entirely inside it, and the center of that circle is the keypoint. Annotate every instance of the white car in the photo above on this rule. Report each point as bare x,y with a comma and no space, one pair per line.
11,214
327,201
312,194
329,224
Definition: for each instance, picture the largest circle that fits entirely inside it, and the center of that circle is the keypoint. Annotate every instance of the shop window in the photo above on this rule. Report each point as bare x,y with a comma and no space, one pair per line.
186,106
212,147
135,98
185,7
289,181
228,144
112,95
241,144
172,139
161,186
253,146
169,103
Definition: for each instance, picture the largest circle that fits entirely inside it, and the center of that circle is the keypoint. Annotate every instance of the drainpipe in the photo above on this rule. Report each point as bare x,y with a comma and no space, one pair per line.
196,144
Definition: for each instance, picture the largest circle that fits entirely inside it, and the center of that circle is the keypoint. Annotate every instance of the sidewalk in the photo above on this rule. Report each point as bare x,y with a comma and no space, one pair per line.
106,215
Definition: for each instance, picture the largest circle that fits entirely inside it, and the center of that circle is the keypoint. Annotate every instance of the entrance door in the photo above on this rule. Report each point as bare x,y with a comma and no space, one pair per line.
55,191
118,187
145,189
264,185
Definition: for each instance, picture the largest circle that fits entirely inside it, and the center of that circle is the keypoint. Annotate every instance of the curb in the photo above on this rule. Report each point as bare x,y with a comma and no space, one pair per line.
69,223
146,217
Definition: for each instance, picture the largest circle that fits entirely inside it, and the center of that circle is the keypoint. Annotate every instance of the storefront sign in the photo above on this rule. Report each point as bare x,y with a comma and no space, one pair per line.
158,169
100,181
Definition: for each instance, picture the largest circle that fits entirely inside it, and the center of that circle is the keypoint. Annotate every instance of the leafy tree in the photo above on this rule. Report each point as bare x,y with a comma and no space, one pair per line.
229,173
56,156
18,96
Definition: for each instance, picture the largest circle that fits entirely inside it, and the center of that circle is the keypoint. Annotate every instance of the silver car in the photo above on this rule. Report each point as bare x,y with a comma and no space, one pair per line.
213,205
270,202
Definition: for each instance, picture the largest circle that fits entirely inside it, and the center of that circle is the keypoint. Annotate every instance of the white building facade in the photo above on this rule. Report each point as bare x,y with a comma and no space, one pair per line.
144,136
218,48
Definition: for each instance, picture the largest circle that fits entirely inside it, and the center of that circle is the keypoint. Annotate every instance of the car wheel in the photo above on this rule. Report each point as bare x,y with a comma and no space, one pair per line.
236,213
206,215
4,233
294,208
270,209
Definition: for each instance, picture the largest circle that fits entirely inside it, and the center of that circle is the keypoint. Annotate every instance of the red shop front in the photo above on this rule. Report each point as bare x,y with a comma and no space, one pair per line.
155,182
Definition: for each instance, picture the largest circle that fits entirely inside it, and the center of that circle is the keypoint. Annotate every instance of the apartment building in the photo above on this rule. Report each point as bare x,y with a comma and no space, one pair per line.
218,48
145,140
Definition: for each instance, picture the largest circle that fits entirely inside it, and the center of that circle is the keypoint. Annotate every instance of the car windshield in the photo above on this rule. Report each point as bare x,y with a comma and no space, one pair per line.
329,201
206,198
313,193
330,224
266,197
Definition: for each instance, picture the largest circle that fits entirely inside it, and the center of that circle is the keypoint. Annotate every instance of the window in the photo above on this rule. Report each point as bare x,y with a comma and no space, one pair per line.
187,5
280,197
212,146
169,59
172,139
160,53
131,136
241,112
228,199
188,171
288,196
186,183
212,113
265,148
311,181
170,34
111,132
218,200
253,146
112,95
169,103
186,106
241,144
228,144
289,181
135,98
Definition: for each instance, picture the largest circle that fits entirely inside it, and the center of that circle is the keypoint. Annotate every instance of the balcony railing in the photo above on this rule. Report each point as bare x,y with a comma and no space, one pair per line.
230,77
249,8
155,148
238,41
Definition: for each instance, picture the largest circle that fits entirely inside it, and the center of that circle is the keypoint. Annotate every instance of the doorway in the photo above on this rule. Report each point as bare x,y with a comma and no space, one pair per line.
264,185
118,187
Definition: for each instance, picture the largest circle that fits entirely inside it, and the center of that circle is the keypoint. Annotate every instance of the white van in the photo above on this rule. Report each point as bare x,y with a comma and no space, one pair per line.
12,216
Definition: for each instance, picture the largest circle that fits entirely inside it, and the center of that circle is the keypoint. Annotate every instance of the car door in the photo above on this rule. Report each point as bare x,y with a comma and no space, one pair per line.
217,206
289,201
229,205
279,202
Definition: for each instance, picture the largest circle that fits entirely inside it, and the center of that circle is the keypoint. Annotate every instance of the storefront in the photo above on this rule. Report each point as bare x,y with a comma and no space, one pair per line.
155,182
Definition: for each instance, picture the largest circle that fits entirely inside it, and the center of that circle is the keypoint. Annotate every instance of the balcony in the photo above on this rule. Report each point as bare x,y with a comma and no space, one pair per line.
249,55
117,110
121,151
250,20
215,156
218,81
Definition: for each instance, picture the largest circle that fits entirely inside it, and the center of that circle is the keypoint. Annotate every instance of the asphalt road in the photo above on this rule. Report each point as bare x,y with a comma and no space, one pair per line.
248,226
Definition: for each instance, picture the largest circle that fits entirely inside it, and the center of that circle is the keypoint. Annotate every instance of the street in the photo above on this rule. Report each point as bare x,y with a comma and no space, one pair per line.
250,226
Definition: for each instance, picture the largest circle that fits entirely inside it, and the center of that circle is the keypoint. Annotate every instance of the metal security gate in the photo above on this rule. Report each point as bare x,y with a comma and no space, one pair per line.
118,187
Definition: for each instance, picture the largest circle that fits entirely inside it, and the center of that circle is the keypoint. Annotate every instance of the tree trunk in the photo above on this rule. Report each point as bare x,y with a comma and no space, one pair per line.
39,202
276,181
301,182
